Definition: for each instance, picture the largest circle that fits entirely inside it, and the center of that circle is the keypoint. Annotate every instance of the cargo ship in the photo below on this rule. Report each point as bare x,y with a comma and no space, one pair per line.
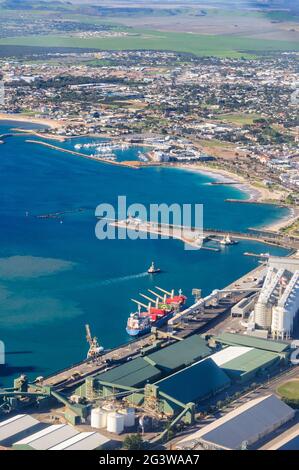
140,323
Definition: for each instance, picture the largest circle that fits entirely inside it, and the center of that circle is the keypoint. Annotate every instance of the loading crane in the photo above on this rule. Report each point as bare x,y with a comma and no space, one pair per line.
94,348
158,295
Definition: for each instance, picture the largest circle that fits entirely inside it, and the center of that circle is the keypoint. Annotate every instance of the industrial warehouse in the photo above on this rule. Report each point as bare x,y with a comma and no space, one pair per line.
24,432
168,381
243,427
157,381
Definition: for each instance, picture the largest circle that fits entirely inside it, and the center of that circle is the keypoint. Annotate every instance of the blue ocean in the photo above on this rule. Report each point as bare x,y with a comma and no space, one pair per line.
56,276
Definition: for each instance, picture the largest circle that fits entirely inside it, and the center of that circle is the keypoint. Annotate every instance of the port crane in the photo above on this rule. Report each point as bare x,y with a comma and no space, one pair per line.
94,348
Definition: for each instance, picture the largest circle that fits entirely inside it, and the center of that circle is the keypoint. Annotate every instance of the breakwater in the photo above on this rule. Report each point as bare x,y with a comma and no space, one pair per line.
83,155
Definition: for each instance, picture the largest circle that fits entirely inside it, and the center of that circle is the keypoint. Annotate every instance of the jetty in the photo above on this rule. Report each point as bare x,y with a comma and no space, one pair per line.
204,318
83,155
223,183
57,215
256,201
3,137
197,237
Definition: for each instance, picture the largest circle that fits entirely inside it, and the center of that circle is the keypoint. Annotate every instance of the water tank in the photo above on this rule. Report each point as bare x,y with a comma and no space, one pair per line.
129,415
115,423
98,418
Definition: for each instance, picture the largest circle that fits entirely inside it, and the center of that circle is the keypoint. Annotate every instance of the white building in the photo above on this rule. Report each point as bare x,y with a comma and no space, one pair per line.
278,302
284,313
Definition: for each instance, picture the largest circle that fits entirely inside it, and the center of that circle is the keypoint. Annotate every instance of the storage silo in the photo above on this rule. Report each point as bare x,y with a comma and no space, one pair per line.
115,423
263,315
98,418
129,415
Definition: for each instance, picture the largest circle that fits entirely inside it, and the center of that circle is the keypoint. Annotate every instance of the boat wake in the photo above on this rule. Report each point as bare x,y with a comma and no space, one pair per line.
116,280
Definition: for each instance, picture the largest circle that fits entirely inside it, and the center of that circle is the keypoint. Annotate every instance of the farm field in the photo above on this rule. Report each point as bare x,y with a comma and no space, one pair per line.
201,45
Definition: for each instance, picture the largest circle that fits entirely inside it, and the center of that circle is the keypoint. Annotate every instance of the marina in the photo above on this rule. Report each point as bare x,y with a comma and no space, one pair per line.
58,283
150,310
99,158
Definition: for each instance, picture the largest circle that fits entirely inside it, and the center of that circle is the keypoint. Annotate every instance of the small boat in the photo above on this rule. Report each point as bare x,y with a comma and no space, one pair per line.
153,270
228,241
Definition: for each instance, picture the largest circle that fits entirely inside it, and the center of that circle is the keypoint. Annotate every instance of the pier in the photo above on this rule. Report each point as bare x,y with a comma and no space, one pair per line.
255,201
193,320
58,215
3,137
196,237
84,155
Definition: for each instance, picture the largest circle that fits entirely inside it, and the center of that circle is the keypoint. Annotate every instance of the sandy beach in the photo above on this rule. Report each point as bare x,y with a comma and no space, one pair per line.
285,221
50,123
254,194
257,194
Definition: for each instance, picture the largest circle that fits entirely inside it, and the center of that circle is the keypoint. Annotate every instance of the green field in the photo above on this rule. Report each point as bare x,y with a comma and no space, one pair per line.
201,45
238,118
289,390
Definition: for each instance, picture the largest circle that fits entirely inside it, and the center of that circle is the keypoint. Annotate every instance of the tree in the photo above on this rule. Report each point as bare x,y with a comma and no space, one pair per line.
134,442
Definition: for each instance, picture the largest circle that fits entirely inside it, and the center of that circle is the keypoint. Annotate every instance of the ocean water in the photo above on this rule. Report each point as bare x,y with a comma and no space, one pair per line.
56,277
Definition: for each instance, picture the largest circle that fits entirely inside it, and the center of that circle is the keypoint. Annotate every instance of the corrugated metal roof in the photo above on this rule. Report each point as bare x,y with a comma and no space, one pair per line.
49,437
83,441
250,341
244,424
132,374
195,382
19,425
249,362
182,353
38,434
259,419
228,354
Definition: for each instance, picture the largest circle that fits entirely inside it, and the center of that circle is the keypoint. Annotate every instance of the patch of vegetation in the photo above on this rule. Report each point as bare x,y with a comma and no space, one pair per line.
282,16
237,118
210,143
289,390
201,45
134,442
90,9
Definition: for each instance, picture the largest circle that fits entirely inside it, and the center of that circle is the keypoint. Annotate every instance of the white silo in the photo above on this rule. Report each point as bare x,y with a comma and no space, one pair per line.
285,312
115,423
263,315
268,298
129,415
98,418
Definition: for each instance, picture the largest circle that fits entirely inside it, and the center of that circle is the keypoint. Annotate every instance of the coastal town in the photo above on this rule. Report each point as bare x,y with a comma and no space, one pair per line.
125,328
226,115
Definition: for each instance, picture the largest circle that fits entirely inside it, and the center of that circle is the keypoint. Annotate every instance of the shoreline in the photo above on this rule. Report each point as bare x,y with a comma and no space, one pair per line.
259,195
50,123
254,194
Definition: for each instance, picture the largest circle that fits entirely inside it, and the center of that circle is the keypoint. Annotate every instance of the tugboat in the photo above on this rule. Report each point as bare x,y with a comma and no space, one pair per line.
153,270
228,241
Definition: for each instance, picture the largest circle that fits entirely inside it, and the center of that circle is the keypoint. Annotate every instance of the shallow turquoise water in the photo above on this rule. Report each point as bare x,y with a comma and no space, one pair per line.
55,277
